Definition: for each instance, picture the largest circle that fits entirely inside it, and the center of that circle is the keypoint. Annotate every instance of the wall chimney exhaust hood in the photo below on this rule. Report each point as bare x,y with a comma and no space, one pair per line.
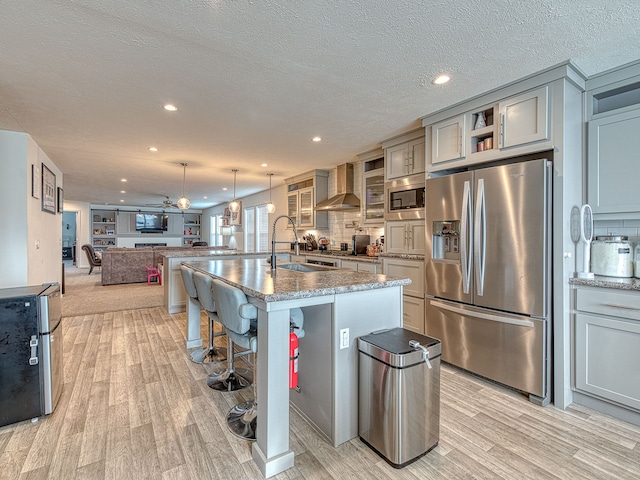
345,199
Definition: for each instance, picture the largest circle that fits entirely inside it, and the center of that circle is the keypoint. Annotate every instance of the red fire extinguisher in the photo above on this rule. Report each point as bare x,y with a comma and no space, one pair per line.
293,360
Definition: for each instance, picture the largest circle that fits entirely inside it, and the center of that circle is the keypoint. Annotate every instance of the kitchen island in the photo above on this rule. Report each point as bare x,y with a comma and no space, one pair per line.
175,296
339,306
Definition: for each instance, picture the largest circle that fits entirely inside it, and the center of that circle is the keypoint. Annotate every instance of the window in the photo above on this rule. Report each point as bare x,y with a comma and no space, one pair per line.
256,229
215,230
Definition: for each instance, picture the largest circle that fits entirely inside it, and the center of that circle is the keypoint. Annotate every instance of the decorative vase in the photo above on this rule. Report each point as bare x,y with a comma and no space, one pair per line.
480,121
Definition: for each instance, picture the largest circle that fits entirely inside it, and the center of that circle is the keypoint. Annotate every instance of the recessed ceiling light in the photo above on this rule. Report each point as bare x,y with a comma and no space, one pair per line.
224,189
440,79
205,197
264,165
122,191
316,139
121,201
153,149
123,179
170,108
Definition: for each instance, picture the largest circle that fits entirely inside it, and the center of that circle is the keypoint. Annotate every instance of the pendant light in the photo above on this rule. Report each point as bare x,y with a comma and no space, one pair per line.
183,202
234,206
270,206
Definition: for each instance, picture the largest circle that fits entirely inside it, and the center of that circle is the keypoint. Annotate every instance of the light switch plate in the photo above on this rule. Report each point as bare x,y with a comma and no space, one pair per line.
344,338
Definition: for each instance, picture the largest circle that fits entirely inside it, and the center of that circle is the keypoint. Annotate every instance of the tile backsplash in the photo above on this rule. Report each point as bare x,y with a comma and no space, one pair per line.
628,228
342,225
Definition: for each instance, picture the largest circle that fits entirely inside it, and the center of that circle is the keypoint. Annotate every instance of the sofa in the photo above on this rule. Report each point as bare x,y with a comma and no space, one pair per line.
128,265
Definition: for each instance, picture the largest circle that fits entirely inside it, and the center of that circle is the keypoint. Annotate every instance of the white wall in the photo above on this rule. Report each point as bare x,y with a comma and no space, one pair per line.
30,239
14,180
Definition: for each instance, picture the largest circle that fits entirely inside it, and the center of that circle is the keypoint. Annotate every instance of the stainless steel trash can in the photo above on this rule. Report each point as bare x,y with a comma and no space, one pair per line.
399,394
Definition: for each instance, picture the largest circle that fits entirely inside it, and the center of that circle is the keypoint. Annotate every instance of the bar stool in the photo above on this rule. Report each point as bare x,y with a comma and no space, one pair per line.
242,419
204,287
153,272
208,354
239,318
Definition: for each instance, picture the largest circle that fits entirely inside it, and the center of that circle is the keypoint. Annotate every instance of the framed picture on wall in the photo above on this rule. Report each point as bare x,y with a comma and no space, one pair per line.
48,190
60,200
35,181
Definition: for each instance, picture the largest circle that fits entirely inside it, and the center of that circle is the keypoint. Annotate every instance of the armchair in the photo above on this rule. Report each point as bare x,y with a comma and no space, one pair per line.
94,260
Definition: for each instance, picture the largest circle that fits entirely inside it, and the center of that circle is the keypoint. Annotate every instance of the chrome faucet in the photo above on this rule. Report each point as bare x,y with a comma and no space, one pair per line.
273,239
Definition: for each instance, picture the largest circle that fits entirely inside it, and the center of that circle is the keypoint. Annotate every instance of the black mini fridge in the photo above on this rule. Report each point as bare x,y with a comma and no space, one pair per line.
30,352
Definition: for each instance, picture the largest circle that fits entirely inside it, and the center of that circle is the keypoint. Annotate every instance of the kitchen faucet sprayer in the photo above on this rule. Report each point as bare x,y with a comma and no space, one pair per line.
273,239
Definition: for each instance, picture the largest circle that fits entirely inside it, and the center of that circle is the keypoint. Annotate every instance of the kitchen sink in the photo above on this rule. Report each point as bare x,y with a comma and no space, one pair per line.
305,267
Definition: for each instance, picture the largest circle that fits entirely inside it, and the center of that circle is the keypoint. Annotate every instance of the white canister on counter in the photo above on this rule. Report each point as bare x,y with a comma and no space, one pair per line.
612,256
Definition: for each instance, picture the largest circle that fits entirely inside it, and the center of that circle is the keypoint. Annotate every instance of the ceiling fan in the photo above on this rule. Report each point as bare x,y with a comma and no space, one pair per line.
183,202
166,203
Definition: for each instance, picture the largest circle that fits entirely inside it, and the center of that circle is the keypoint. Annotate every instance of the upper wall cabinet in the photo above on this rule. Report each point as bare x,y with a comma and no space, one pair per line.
404,155
524,118
614,143
515,125
613,103
372,186
447,140
303,193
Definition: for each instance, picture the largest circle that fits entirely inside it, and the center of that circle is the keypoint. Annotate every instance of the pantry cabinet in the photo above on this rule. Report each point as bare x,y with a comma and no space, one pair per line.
405,236
607,335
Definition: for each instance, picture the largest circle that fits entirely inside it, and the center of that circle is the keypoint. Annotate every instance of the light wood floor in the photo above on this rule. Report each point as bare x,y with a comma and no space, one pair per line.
135,407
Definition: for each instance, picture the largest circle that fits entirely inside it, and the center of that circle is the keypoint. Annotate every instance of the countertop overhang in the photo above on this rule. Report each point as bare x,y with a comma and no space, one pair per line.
608,282
256,279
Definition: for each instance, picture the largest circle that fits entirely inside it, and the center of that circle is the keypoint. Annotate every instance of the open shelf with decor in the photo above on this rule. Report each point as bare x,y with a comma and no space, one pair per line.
482,131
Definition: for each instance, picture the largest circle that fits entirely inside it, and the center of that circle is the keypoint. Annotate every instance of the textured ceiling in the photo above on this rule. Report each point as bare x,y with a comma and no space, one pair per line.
254,81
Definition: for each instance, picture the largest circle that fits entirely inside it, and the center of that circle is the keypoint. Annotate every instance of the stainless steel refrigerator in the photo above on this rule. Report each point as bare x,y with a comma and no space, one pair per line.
488,254
30,352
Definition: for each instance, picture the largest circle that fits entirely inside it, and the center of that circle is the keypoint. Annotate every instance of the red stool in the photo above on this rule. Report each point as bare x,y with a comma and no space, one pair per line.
153,272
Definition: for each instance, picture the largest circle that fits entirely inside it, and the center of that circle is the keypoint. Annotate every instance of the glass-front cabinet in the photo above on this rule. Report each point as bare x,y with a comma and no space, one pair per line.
373,188
303,191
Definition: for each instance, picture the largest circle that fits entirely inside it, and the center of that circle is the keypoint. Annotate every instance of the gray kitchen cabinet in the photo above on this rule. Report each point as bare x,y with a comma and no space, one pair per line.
405,236
413,294
613,146
303,193
448,139
357,266
524,118
373,186
607,340
404,155
413,316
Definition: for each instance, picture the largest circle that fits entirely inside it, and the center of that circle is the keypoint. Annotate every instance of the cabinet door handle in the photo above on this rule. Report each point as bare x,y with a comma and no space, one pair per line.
624,307
501,130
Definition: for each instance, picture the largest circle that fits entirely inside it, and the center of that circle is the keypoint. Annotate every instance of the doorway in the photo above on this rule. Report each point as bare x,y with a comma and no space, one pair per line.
69,227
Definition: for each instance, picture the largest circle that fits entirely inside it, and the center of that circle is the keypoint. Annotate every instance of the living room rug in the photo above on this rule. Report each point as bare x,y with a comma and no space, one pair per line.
85,295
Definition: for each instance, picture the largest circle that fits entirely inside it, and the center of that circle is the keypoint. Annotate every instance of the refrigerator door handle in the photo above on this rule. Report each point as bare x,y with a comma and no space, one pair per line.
465,237
480,233
484,316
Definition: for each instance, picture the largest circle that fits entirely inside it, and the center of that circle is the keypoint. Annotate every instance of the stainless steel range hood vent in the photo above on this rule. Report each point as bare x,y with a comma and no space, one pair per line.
345,199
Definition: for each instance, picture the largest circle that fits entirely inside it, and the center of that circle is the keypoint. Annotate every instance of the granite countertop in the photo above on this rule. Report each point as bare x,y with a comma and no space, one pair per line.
207,253
405,256
608,282
341,256
255,278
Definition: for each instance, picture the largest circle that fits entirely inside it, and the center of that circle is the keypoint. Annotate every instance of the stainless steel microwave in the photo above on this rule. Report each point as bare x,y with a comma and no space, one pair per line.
404,198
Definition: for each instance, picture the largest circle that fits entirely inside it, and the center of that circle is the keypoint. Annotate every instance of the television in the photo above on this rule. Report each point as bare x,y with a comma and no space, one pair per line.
151,222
